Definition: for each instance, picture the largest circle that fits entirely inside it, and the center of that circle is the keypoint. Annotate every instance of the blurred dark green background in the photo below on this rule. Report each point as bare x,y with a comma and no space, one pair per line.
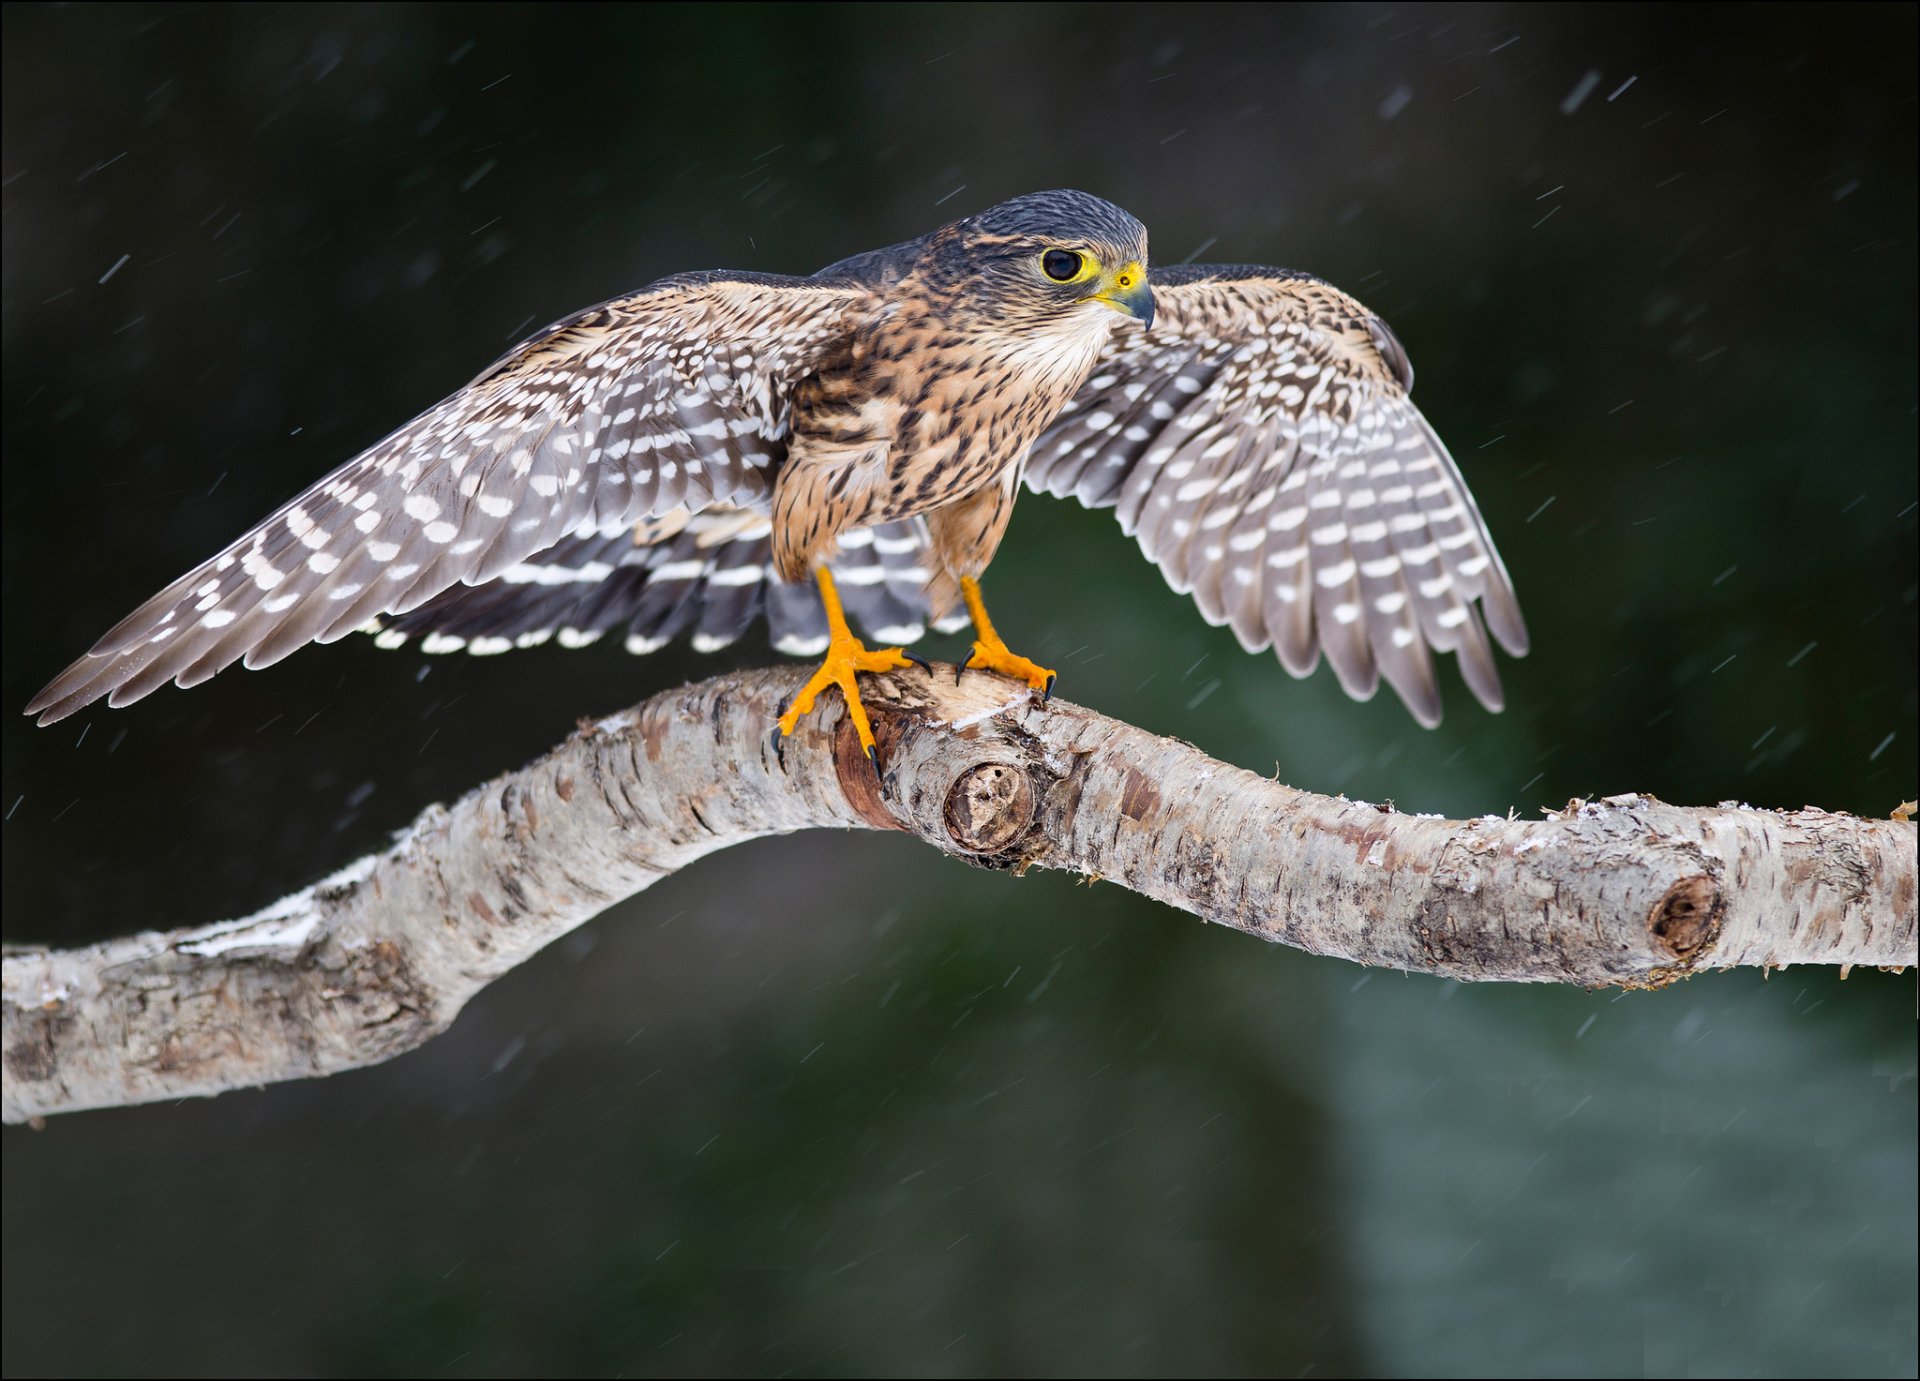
835,1105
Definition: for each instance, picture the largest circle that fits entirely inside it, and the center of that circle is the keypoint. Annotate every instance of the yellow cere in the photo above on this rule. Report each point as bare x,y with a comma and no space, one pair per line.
1132,276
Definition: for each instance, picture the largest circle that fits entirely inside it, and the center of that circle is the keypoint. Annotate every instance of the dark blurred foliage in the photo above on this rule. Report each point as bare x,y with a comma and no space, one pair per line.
837,1106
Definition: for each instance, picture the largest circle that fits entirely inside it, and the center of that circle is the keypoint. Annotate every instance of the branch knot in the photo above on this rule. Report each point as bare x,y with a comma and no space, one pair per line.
1687,919
989,806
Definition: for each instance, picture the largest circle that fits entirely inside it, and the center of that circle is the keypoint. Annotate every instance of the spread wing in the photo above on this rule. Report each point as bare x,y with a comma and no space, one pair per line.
675,398
1260,445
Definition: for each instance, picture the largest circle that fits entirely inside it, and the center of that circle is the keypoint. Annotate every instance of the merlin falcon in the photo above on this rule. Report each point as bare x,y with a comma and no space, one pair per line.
720,446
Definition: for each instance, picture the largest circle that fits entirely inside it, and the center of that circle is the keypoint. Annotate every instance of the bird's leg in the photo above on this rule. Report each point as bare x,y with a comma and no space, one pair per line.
846,655
990,654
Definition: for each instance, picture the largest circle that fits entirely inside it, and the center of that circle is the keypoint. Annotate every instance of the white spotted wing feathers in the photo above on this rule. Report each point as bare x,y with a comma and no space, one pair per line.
1260,445
672,399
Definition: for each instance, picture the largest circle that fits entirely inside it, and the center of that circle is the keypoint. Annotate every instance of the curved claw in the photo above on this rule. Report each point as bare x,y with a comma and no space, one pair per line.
990,654
846,658
993,654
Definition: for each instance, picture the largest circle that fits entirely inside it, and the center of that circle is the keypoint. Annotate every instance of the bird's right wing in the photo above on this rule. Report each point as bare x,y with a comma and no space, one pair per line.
676,397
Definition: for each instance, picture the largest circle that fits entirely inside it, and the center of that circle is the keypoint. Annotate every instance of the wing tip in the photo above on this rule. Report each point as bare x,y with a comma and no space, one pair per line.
72,690
1508,625
1360,682
49,711
1425,708
1492,698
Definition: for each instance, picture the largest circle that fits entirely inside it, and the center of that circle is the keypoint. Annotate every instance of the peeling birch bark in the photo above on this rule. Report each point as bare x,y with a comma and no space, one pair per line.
380,957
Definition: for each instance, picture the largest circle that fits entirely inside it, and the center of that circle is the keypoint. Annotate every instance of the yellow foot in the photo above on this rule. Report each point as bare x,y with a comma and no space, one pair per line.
846,656
990,654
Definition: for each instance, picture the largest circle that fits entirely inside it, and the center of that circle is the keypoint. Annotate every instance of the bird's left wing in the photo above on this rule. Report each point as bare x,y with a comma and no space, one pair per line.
1260,445
673,398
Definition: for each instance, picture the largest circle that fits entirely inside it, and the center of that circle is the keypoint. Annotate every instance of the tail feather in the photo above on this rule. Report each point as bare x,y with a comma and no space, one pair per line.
707,577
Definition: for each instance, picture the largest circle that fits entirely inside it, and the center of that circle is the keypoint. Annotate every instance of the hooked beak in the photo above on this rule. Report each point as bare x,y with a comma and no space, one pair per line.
1127,292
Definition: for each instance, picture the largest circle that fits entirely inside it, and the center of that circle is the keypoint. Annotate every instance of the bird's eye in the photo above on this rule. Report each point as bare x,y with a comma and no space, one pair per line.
1061,265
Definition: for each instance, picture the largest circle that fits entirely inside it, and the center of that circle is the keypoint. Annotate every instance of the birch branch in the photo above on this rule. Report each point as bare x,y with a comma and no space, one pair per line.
380,957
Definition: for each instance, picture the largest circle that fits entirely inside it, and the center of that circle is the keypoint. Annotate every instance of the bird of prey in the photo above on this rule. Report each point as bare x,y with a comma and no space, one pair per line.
683,459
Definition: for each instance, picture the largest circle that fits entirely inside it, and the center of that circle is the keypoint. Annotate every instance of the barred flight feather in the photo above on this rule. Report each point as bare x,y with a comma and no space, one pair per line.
1260,446
704,576
674,397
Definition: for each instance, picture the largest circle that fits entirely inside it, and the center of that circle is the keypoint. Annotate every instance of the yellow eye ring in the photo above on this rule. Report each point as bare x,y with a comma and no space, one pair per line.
1062,265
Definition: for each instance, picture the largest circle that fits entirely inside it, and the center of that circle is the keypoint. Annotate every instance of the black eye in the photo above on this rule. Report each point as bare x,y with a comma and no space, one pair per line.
1061,265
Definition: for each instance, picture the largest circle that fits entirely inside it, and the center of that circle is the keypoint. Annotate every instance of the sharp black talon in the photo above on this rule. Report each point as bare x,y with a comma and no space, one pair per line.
780,747
917,660
1046,696
959,667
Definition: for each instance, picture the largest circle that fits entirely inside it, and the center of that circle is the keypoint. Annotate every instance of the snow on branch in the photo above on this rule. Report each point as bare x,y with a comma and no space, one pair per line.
380,957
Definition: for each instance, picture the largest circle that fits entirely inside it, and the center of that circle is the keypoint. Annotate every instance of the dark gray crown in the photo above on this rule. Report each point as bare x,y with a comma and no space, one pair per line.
1062,214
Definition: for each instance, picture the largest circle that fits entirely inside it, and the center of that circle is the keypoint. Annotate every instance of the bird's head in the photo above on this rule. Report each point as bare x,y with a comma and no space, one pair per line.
1047,261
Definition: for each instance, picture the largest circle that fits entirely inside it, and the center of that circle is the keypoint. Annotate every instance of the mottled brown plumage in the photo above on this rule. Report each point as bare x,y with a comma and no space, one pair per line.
930,411
680,460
